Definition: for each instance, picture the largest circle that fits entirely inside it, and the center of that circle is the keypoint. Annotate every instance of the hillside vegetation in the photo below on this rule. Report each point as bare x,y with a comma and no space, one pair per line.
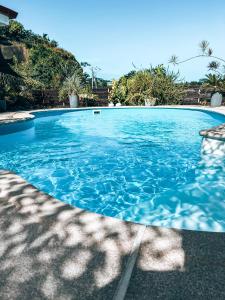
39,62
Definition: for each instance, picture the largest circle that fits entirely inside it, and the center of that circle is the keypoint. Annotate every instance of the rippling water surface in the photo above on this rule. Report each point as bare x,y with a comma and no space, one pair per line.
141,165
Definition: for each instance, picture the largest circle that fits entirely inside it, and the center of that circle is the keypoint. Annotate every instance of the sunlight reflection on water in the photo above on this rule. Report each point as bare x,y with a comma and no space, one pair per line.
139,165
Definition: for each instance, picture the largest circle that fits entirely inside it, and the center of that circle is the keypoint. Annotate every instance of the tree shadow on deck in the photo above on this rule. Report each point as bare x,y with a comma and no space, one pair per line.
175,264
49,250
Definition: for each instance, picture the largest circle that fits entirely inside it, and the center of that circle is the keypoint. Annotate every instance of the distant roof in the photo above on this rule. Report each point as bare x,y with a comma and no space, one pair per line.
8,12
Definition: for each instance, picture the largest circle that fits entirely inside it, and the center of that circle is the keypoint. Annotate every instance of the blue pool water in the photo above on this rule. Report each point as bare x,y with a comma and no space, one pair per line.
141,165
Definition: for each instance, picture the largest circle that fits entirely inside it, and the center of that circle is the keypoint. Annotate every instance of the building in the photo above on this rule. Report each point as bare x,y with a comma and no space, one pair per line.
6,15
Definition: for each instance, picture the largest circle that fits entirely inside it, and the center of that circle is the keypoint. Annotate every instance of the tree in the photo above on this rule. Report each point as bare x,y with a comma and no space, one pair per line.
216,65
214,81
15,30
9,87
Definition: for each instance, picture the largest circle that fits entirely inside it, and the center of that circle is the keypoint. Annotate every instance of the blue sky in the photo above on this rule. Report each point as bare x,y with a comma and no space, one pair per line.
113,34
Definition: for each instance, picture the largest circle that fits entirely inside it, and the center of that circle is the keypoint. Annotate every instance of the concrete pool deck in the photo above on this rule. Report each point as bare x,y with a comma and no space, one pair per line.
50,250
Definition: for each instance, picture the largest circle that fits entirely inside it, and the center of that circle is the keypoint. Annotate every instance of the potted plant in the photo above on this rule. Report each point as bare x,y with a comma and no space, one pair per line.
150,101
72,87
111,104
216,99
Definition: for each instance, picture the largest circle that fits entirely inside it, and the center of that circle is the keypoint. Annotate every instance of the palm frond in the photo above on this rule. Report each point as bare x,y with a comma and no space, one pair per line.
213,65
210,52
173,60
204,46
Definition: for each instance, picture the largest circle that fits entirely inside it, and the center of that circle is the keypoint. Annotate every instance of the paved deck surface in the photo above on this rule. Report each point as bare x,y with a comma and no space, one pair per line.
179,264
217,133
11,117
50,250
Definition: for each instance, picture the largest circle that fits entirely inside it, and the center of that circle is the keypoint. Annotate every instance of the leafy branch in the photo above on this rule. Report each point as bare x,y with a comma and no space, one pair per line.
206,52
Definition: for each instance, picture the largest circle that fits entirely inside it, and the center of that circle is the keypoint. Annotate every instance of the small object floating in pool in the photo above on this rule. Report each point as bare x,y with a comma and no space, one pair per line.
96,112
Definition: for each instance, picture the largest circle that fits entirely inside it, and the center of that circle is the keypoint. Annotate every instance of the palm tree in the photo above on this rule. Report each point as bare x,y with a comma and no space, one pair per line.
206,52
214,81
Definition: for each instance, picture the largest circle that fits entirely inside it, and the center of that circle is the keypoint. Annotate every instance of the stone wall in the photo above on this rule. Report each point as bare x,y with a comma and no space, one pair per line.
9,51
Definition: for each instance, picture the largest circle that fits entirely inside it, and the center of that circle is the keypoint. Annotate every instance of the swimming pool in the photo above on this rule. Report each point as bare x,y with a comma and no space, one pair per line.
140,165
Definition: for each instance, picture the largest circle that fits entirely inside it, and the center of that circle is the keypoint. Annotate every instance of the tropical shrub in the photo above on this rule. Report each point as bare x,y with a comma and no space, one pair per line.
9,87
157,85
167,88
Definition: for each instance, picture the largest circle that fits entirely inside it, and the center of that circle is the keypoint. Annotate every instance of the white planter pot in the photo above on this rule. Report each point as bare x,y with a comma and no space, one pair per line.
118,104
150,102
216,99
111,104
73,101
